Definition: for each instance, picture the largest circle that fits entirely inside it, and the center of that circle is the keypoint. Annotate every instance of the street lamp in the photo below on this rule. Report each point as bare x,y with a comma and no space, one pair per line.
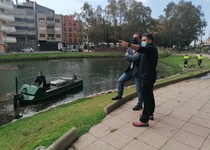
179,43
5,41
201,40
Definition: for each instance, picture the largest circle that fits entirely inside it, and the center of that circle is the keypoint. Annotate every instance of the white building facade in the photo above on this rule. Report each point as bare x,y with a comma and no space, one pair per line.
5,19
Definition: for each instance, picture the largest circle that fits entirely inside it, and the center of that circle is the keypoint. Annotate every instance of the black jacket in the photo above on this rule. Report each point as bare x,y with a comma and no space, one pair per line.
148,62
41,79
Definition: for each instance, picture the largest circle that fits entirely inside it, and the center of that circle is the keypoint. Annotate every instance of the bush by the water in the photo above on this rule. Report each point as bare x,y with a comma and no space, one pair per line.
164,54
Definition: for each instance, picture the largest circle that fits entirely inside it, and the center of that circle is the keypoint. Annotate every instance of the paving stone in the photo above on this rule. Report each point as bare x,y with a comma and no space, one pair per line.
206,145
189,139
99,145
164,130
117,139
173,122
180,116
138,145
153,139
175,145
196,129
84,141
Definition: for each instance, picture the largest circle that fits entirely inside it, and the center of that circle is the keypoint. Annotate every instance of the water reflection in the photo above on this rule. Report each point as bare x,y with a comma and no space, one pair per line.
98,74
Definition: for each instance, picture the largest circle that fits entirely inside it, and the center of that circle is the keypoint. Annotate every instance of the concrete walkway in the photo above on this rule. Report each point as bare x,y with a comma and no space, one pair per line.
182,122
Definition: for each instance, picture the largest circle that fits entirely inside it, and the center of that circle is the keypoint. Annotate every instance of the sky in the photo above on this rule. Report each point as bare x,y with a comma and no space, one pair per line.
66,7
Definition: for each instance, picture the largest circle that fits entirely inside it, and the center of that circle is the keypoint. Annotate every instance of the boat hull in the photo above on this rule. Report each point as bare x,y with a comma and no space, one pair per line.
33,94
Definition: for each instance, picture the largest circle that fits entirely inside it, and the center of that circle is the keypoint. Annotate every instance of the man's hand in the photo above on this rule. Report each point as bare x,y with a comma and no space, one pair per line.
126,54
123,43
135,53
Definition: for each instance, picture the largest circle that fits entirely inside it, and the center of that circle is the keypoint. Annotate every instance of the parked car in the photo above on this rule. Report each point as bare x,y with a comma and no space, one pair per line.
27,49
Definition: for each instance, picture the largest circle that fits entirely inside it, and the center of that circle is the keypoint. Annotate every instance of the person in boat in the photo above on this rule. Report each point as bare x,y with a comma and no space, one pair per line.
41,80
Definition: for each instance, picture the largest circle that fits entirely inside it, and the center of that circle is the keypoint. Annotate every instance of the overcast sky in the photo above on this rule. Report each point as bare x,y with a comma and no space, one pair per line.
66,7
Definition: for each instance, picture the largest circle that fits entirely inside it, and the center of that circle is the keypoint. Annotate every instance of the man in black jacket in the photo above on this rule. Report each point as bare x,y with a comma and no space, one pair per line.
41,80
147,73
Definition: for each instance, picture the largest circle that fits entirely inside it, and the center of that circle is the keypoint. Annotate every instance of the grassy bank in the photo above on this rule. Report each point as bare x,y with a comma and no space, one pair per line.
46,127
57,55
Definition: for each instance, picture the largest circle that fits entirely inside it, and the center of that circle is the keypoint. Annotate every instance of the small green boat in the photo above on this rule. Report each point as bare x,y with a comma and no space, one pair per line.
31,94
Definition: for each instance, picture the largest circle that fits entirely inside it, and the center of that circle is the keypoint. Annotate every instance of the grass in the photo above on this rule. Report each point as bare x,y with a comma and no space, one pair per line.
57,55
177,62
46,127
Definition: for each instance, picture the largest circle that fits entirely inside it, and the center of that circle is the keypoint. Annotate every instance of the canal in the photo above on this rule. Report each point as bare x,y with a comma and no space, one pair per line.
98,74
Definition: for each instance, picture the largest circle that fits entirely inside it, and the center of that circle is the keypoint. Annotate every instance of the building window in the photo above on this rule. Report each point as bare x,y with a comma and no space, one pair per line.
57,20
50,35
50,27
41,20
70,35
58,36
32,41
42,35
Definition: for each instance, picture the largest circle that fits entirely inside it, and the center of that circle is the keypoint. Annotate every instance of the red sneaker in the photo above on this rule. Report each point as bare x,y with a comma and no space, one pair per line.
151,117
140,124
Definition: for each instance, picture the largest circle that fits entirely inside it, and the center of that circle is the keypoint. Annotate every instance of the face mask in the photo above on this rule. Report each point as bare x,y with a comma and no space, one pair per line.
143,44
135,41
39,74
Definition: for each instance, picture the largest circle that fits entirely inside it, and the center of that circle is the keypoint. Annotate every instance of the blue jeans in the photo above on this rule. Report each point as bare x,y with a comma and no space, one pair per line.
124,78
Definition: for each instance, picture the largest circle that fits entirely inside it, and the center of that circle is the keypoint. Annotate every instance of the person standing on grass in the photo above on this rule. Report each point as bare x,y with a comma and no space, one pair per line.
186,59
200,59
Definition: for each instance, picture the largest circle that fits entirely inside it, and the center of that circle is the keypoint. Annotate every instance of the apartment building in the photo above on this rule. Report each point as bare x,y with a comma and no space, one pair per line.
5,28
25,24
72,32
49,31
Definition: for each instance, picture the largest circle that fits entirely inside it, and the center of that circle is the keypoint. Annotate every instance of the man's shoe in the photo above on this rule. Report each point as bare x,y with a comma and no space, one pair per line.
140,124
137,107
151,117
116,98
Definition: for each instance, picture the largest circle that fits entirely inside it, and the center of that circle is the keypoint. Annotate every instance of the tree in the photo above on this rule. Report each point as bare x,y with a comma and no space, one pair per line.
176,24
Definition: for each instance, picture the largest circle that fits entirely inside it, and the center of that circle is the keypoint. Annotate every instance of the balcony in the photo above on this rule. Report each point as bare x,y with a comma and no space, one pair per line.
50,31
9,39
51,38
6,6
6,17
7,29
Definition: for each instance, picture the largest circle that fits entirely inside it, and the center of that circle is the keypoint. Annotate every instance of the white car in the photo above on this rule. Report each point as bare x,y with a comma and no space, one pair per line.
27,49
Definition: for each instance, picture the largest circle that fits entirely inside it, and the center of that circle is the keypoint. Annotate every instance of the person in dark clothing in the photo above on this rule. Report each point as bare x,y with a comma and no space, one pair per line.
147,73
41,80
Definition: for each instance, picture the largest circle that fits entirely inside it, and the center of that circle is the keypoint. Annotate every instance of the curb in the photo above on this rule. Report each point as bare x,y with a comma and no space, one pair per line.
64,141
118,103
68,138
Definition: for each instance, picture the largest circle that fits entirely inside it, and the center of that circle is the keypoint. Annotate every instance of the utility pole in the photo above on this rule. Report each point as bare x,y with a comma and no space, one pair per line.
201,40
179,43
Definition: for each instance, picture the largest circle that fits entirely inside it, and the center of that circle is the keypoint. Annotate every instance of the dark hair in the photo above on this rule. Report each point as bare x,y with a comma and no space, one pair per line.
149,36
138,34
